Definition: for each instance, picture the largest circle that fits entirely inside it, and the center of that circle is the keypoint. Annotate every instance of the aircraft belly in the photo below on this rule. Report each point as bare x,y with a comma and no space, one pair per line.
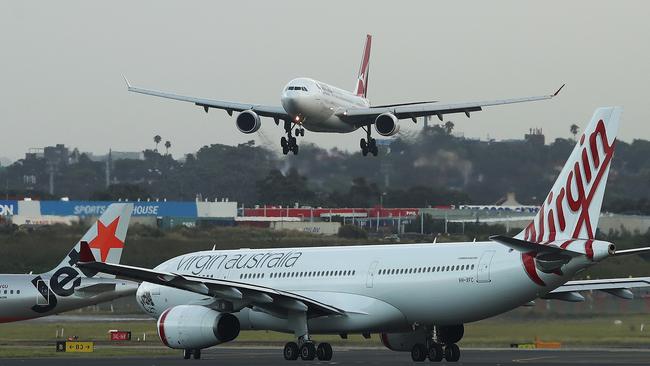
363,314
329,123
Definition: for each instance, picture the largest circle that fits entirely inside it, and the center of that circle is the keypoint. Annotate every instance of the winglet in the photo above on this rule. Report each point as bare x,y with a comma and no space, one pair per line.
85,254
554,94
128,85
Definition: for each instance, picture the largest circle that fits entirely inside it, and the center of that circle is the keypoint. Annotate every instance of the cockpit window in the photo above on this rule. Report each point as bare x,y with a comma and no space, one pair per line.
297,88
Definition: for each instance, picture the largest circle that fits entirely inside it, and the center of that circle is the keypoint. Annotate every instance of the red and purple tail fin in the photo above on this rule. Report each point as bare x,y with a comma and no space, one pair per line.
572,208
361,88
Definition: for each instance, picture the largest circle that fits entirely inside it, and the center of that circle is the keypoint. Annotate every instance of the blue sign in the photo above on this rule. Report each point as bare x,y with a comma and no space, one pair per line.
96,208
8,208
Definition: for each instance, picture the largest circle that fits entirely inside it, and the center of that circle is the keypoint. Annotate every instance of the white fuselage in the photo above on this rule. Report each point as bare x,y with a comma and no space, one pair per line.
315,105
27,296
385,288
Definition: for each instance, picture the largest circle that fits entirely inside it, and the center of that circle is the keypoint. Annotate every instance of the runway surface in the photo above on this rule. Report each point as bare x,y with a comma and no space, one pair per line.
350,356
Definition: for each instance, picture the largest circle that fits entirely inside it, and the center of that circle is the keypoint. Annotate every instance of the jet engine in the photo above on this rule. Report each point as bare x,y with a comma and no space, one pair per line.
196,327
386,124
248,121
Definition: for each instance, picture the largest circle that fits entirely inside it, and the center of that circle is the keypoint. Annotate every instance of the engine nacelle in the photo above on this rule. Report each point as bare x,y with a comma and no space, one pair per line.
195,326
386,124
248,121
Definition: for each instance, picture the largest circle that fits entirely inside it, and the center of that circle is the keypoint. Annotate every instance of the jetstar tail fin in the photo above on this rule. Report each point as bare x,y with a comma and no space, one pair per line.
105,238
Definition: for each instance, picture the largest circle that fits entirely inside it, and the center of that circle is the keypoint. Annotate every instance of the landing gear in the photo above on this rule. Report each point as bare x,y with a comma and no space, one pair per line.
192,353
419,352
452,352
368,145
305,348
196,354
324,352
291,351
289,143
436,354
439,343
307,351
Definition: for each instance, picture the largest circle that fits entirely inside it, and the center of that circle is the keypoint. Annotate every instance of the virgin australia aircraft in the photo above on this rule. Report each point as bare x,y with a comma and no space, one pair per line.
67,287
417,296
319,107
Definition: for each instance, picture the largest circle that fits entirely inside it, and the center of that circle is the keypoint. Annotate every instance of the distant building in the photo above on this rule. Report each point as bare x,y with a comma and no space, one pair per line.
34,153
117,155
56,155
535,136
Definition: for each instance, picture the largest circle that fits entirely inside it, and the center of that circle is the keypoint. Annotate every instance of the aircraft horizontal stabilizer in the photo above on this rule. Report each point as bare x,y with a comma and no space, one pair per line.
527,246
619,253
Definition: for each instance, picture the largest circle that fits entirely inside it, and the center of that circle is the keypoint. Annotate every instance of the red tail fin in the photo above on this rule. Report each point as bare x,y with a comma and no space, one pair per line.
362,79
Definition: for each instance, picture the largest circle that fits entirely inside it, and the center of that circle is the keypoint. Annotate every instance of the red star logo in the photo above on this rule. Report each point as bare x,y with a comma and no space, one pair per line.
106,239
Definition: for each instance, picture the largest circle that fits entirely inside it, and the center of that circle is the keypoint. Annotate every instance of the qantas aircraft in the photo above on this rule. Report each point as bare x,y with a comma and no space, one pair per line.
65,287
319,107
417,296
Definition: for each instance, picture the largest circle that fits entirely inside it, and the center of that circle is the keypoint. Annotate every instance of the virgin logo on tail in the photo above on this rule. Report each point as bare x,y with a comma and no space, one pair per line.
572,207
586,176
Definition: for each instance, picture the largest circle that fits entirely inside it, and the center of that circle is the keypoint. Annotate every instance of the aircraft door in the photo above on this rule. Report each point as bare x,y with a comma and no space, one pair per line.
483,270
370,279
43,296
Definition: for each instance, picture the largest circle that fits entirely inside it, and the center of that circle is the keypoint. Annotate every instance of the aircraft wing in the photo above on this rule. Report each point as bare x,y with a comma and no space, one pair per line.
619,287
362,116
262,298
276,112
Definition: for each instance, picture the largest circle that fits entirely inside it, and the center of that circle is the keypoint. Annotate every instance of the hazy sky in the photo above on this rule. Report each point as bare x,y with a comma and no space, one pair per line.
61,65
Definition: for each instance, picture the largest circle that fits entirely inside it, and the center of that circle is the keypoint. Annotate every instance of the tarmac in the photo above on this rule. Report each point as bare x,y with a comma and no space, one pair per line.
361,356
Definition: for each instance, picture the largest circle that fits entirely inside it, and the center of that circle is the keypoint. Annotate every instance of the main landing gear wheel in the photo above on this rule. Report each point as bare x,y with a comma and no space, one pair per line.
324,352
452,352
187,353
291,351
369,146
419,352
196,354
436,354
307,351
288,142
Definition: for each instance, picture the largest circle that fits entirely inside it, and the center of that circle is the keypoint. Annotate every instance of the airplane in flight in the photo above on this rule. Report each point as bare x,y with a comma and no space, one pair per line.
417,296
308,104
67,287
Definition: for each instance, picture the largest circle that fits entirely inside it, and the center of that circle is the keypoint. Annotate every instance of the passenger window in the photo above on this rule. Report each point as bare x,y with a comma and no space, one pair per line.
11,292
18,292
472,266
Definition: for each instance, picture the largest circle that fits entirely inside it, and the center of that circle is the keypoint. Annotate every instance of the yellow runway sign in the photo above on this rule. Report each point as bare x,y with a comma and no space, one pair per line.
79,346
